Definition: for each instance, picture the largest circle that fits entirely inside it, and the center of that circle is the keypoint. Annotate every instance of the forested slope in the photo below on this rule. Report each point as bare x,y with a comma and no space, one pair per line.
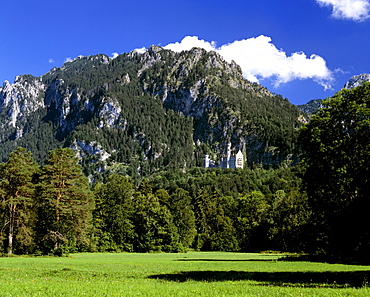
141,112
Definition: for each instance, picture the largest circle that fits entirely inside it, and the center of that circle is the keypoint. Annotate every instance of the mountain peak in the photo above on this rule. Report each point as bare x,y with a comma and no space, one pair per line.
147,110
357,80
155,49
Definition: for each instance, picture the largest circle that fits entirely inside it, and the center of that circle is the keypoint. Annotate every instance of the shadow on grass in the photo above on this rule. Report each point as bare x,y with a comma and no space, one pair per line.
323,259
228,260
341,279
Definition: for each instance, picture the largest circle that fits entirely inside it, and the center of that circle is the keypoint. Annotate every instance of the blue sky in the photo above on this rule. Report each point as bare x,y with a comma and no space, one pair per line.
303,50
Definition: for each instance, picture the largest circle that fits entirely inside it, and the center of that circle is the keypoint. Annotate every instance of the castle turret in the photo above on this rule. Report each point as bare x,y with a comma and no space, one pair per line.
228,155
239,160
206,161
230,160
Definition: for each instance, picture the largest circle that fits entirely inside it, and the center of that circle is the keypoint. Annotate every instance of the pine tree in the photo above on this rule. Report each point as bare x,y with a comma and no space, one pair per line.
66,203
17,195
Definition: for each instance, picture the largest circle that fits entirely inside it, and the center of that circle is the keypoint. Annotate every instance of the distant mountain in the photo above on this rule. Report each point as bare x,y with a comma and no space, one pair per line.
356,81
140,112
312,106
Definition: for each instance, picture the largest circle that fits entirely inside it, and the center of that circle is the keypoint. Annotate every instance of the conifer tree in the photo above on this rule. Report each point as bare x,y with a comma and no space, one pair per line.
17,199
66,203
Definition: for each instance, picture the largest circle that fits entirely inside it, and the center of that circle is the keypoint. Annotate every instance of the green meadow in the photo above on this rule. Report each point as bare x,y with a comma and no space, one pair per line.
188,274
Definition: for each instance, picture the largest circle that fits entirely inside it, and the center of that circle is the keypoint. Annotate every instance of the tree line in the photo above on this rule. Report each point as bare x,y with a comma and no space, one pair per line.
53,209
319,206
44,208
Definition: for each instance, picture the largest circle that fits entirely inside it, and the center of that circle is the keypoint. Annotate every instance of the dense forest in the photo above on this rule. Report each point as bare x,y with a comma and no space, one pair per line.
144,112
105,155
53,210
318,206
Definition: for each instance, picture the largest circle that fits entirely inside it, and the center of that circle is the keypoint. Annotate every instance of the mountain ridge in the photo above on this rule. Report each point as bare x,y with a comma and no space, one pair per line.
169,108
312,106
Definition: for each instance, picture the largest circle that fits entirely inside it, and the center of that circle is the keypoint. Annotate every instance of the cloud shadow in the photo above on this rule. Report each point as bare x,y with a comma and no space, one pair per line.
227,260
340,279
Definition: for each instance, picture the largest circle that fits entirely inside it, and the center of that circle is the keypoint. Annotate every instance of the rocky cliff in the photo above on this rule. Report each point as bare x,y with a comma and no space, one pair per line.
356,80
147,110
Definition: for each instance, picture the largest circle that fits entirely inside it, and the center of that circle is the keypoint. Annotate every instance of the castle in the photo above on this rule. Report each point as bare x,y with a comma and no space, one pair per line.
232,161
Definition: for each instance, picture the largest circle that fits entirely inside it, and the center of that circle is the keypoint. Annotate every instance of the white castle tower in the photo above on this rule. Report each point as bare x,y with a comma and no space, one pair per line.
206,161
230,160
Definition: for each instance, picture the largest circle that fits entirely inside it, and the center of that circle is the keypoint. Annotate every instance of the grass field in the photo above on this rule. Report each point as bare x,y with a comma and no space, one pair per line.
190,274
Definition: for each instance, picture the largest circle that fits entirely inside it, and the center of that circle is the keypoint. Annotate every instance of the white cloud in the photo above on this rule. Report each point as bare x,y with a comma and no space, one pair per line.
114,55
140,50
51,61
189,42
260,59
69,59
357,10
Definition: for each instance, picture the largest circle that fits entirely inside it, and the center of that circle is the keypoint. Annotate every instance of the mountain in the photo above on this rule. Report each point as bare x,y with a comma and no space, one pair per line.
140,112
356,81
312,106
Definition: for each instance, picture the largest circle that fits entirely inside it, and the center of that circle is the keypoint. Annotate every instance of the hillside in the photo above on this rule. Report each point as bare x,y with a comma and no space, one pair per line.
311,106
140,112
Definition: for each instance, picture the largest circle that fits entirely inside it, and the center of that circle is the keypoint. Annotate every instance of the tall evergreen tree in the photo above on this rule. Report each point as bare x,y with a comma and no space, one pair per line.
203,211
66,203
214,229
17,200
288,218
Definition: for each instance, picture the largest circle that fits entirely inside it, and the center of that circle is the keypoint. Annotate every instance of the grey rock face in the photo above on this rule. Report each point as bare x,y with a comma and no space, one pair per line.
195,83
21,98
109,113
357,80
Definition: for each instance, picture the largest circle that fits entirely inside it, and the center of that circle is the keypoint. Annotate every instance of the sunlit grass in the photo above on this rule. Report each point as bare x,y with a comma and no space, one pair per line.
190,274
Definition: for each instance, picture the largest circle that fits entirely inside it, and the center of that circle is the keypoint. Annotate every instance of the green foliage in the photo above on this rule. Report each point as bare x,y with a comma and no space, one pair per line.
17,201
252,212
288,219
206,216
226,210
228,182
65,203
154,227
336,150
183,215
215,231
249,209
114,213
130,218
